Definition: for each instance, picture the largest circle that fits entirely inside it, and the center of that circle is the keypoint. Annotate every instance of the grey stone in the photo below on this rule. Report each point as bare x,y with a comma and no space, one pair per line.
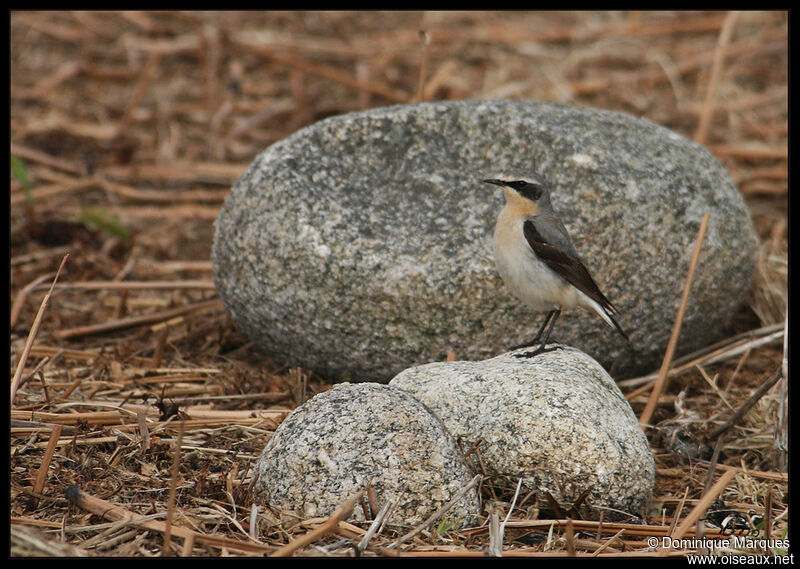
361,245
353,435
558,421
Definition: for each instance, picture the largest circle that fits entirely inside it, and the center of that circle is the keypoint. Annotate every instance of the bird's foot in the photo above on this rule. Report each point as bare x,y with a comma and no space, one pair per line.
540,350
535,342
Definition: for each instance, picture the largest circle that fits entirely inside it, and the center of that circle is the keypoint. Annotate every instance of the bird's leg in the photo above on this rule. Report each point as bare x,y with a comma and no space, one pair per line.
552,316
538,337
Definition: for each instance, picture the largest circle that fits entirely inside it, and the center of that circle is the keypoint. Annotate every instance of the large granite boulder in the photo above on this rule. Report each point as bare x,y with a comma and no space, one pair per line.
361,245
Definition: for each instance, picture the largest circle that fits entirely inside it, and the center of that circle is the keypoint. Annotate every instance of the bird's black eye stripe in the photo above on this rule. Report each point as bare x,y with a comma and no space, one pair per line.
530,190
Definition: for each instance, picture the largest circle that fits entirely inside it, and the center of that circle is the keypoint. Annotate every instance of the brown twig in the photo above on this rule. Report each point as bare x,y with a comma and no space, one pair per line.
570,538
174,471
145,79
375,525
188,545
161,335
41,476
181,211
43,158
661,382
747,405
37,322
196,417
768,517
34,371
715,353
63,72
701,134
34,522
514,553
211,49
632,529
425,36
137,285
686,525
678,512
749,151
144,432
22,296
495,548
134,321
42,194
781,440
113,512
607,544
224,173
160,196
324,71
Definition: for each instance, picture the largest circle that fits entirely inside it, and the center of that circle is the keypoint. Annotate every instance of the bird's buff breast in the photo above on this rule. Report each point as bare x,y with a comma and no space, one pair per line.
527,277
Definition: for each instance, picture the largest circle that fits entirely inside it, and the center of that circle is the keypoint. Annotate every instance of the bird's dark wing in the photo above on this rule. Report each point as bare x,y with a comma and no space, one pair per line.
558,254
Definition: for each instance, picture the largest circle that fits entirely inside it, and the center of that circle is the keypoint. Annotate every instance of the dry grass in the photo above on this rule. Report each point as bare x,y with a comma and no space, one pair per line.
130,128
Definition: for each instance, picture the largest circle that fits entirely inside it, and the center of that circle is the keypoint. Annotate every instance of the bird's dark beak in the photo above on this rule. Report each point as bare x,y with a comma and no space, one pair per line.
495,182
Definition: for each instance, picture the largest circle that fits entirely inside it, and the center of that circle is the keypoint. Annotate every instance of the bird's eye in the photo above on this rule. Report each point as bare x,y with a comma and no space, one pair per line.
532,191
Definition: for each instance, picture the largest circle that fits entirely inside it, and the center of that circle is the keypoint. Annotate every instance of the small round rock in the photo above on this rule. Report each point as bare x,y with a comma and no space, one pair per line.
557,420
360,434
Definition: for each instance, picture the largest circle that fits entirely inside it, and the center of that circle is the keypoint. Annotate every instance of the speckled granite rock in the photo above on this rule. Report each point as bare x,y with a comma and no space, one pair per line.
558,420
361,245
354,434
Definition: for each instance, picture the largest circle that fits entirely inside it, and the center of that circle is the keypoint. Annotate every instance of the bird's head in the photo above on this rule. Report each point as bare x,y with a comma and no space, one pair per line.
525,194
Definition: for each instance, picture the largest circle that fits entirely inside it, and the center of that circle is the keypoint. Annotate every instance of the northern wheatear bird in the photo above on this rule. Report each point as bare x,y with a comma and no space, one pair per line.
538,262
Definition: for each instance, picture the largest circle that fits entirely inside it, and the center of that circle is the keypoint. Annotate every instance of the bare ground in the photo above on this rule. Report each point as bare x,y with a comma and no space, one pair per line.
127,131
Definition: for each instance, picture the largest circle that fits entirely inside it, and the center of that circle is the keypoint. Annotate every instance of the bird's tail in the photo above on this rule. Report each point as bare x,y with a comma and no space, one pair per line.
618,328
607,314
